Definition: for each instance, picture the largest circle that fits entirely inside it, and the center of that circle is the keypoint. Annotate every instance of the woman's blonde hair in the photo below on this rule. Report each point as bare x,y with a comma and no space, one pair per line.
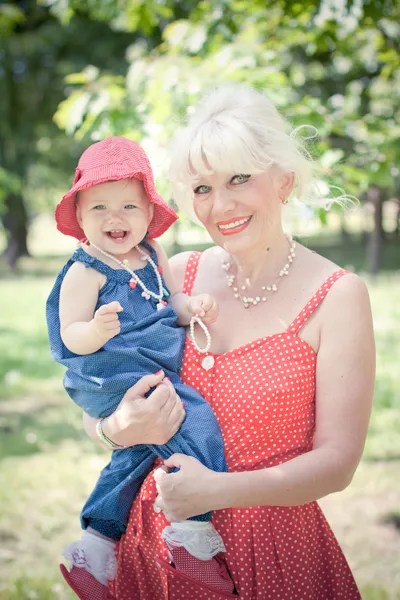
236,129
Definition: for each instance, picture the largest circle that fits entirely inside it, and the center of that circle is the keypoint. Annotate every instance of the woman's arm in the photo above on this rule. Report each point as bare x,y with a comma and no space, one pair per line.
141,420
344,391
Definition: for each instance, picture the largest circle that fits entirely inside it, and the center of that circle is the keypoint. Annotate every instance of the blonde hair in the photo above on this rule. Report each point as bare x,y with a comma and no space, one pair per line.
236,129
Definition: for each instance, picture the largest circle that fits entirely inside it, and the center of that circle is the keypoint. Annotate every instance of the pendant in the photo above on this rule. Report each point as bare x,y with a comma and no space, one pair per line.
161,305
208,362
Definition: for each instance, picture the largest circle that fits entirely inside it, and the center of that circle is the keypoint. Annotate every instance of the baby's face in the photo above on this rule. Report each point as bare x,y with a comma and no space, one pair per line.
115,215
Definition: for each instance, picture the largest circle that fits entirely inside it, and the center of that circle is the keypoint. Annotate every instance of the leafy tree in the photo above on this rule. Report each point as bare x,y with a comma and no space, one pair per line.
36,53
329,64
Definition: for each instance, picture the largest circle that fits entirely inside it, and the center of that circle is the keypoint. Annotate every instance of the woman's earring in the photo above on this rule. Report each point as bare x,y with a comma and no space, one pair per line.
284,200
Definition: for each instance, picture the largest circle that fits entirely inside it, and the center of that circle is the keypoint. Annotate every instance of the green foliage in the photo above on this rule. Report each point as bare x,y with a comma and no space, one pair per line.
9,184
337,70
10,17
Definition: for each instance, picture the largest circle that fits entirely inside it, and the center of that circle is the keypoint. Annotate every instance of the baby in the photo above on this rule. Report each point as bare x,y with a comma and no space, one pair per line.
113,316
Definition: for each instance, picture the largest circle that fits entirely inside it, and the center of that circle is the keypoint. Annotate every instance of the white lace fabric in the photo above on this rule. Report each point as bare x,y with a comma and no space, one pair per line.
200,539
94,554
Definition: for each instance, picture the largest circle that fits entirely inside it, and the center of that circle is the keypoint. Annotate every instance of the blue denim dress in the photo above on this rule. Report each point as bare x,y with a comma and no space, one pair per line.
149,340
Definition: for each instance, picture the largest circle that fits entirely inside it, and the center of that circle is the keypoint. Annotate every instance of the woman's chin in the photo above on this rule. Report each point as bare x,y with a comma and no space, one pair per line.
236,244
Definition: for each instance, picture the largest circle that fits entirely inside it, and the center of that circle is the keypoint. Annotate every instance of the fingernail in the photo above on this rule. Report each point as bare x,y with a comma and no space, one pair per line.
183,405
167,379
159,372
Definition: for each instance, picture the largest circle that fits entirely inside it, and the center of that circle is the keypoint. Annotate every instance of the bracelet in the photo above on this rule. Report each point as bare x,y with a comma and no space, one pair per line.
102,436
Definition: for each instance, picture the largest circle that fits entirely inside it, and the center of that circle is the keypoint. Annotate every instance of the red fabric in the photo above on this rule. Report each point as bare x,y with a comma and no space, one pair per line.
85,586
112,159
211,572
263,396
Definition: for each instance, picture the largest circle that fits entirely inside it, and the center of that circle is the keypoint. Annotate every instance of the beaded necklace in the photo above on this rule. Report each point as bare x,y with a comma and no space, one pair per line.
146,293
162,292
249,300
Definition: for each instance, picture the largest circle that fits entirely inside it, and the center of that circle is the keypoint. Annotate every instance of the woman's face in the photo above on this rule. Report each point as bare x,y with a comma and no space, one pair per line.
239,211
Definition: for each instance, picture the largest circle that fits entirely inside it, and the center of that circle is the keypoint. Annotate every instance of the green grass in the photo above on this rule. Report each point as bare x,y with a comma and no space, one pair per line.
48,465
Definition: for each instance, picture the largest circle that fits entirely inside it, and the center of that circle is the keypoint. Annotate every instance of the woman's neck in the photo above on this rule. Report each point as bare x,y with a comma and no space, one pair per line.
262,263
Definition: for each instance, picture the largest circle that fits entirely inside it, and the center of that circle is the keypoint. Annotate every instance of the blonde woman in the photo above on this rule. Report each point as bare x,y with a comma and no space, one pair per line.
289,374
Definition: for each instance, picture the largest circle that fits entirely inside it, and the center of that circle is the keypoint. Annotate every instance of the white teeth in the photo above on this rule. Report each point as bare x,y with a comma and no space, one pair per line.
234,224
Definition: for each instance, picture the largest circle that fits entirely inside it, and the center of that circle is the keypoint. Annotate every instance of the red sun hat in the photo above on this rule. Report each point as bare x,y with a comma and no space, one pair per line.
109,160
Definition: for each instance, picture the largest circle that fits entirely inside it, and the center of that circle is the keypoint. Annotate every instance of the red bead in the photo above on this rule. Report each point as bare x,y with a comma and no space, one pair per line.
160,270
132,284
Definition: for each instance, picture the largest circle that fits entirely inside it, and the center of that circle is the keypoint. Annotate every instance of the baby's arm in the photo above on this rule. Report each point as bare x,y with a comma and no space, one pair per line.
82,330
201,305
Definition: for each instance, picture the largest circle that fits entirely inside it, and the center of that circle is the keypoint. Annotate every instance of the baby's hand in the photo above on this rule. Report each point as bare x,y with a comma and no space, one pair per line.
204,306
106,321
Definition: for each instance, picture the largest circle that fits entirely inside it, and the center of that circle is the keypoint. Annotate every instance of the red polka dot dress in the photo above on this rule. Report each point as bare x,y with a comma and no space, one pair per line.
263,395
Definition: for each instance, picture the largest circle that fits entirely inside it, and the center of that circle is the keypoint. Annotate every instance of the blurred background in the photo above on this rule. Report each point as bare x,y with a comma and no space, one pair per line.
73,72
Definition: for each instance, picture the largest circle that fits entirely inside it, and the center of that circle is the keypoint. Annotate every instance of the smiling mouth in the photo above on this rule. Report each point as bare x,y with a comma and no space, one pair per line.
233,226
117,234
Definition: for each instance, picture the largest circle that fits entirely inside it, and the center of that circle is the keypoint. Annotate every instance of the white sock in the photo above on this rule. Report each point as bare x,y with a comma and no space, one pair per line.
94,554
200,539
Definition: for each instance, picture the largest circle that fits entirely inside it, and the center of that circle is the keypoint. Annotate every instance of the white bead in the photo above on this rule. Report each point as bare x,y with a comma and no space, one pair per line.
263,287
258,298
274,288
264,299
269,288
243,287
235,289
237,296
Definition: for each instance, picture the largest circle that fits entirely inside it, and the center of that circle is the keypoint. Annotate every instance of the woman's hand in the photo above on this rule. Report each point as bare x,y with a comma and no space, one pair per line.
141,420
187,492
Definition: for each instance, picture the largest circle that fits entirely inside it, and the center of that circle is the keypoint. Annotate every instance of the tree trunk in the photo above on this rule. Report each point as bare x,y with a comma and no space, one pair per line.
376,198
15,223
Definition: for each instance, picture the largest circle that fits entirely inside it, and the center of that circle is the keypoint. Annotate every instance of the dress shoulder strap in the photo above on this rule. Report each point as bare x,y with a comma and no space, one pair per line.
191,272
314,302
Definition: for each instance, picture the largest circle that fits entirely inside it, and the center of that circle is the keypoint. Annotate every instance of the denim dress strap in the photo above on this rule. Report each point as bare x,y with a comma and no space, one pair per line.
117,275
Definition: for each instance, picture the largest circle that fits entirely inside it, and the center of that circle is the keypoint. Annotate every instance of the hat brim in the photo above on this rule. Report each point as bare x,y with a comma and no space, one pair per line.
65,214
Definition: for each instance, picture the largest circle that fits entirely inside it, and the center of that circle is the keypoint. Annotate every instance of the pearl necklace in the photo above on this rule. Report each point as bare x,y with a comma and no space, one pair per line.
146,293
206,348
248,300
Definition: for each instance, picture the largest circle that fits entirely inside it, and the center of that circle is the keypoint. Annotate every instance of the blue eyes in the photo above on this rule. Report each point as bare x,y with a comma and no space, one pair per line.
235,180
202,189
240,178
103,207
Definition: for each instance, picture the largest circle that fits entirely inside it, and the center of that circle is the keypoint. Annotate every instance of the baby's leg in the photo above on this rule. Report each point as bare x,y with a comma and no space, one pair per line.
195,549
93,563
104,518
